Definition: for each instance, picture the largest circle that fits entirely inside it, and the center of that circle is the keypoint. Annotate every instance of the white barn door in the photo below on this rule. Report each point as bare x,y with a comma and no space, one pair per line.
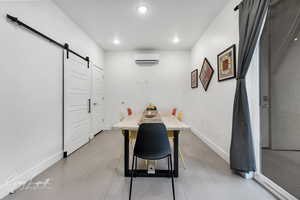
77,103
97,100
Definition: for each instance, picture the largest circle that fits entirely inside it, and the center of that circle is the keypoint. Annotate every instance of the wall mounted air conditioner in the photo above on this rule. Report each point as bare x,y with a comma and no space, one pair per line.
147,59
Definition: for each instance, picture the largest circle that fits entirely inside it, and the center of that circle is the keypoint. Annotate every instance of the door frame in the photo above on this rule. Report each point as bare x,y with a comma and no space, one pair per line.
264,99
267,183
92,65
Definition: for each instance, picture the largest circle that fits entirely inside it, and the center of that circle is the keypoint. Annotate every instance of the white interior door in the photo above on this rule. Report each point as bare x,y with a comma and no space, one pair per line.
97,100
77,95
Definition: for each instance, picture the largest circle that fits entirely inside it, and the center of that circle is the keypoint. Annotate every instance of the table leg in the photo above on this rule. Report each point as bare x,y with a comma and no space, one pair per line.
175,146
126,153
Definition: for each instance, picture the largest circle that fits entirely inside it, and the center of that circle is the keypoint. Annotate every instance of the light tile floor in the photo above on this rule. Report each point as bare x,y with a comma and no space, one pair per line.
95,172
282,167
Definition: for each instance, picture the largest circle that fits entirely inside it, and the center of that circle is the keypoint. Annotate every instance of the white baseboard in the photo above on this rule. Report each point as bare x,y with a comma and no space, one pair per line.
273,188
216,148
13,184
91,137
107,128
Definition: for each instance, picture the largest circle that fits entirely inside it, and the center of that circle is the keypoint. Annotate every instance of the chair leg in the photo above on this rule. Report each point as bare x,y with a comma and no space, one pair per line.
172,176
136,161
180,154
169,165
132,171
182,159
131,144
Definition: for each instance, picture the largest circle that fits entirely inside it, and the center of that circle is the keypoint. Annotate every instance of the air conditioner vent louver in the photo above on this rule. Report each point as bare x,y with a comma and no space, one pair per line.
147,59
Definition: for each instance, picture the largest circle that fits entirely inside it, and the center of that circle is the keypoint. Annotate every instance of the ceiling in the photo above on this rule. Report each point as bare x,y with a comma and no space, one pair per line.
106,20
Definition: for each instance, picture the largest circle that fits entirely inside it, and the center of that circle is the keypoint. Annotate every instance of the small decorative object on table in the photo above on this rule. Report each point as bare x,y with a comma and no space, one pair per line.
206,74
150,114
151,107
226,64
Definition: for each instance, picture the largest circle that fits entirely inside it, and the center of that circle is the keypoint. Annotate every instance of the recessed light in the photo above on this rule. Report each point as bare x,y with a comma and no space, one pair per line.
296,39
142,9
116,41
176,40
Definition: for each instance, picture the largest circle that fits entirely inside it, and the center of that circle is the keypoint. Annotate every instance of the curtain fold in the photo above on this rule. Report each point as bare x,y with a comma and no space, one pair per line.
251,17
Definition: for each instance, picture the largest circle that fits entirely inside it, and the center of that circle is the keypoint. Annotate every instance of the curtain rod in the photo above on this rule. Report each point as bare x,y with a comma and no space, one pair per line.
236,8
65,46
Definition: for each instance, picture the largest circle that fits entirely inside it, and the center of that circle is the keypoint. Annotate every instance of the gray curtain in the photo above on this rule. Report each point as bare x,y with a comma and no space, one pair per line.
251,17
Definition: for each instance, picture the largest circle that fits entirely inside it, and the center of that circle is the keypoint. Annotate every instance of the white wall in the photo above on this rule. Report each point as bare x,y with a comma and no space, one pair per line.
210,113
163,85
31,87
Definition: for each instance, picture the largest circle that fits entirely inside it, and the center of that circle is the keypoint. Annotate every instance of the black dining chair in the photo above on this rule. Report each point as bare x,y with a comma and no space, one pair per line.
152,143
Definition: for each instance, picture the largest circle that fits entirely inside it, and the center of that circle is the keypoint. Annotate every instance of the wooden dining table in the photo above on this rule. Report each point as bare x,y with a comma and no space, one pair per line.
131,123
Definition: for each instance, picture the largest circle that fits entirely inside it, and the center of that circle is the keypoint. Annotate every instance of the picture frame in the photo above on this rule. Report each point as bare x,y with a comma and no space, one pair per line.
206,74
194,79
227,64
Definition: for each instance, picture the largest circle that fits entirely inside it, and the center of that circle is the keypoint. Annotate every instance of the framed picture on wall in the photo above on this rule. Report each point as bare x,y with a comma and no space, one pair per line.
206,74
194,78
226,64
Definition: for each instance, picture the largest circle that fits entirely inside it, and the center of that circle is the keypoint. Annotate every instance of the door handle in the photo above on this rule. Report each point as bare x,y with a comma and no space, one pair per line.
89,102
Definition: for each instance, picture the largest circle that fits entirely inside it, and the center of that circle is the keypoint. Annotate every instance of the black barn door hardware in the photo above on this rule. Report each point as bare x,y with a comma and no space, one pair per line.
236,8
88,61
89,104
65,46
